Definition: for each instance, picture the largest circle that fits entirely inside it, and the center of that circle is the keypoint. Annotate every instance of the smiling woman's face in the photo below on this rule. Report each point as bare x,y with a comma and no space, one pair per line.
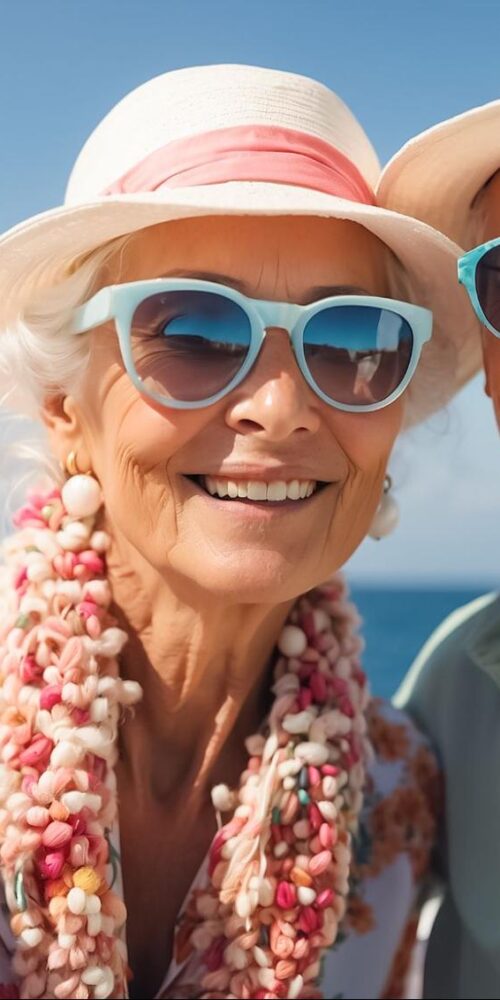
153,462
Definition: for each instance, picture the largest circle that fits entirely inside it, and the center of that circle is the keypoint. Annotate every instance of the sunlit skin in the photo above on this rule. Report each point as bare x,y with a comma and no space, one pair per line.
202,585
490,204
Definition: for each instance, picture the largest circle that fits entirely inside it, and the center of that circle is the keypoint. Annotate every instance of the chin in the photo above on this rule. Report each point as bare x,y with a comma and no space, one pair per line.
250,577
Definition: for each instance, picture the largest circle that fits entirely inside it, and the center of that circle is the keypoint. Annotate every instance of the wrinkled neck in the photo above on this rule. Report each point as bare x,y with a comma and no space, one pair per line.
204,667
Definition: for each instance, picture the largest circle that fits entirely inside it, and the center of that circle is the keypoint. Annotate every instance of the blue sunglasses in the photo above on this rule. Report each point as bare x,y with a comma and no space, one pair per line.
479,272
187,343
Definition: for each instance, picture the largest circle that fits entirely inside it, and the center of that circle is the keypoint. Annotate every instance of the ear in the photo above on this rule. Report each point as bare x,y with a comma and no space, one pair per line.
62,418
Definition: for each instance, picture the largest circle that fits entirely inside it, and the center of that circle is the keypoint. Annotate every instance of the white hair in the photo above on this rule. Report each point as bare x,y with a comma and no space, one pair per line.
40,357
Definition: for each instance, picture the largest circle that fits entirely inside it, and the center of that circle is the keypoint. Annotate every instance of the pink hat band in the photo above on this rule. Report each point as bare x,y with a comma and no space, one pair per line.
265,153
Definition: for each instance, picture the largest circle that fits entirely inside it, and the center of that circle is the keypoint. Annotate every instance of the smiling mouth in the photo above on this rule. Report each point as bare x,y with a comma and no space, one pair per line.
256,490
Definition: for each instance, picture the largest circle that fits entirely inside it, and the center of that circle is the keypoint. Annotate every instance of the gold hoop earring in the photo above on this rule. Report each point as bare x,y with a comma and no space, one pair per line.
71,464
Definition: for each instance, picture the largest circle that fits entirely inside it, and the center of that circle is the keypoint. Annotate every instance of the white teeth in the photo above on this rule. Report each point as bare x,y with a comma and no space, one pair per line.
217,487
276,491
255,489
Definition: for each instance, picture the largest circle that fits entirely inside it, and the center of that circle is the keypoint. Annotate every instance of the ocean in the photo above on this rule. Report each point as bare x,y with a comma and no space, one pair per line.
397,622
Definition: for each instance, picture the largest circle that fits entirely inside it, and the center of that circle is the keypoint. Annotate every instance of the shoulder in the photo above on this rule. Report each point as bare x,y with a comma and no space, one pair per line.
453,692
404,788
464,648
463,630
392,849
393,734
403,757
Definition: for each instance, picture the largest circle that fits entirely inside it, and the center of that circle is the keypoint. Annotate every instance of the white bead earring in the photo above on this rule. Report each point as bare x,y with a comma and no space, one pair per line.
387,514
81,493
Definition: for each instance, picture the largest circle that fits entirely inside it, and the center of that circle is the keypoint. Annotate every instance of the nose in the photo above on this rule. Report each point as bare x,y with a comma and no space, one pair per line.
274,401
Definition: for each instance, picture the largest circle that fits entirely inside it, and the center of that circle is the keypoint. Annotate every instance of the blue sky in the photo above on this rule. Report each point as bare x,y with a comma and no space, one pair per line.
400,66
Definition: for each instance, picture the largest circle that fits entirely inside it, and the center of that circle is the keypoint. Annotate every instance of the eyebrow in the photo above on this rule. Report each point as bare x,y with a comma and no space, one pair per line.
312,295
324,291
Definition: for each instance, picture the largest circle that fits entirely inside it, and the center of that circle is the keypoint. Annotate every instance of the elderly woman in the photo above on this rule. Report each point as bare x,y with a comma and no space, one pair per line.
218,332
453,689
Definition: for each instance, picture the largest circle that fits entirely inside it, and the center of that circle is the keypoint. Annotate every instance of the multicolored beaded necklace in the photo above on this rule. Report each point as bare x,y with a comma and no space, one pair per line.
278,868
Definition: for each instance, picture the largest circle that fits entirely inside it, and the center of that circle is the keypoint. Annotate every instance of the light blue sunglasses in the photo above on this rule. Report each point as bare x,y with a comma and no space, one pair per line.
187,343
479,272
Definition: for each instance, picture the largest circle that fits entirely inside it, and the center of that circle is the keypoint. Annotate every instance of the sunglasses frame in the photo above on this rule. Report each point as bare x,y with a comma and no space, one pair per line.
466,268
119,302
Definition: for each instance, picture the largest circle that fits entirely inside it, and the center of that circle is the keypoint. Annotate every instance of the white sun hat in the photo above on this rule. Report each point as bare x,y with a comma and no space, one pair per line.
242,140
437,174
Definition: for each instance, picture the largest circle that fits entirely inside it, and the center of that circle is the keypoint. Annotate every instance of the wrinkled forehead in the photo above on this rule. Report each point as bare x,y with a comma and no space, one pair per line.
271,255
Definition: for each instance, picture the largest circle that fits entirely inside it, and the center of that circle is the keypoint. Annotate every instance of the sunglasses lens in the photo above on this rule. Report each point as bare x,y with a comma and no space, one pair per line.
488,286
188,345
358,355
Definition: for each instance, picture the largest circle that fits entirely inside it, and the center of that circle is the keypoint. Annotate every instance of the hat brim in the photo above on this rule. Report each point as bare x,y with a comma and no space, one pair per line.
437,174
56,238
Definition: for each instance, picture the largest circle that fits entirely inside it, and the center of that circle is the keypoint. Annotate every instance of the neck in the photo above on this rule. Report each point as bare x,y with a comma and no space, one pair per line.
203,665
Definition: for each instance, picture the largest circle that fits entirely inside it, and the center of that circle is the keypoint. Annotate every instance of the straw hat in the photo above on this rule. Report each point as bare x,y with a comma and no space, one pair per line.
437,175
221,140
